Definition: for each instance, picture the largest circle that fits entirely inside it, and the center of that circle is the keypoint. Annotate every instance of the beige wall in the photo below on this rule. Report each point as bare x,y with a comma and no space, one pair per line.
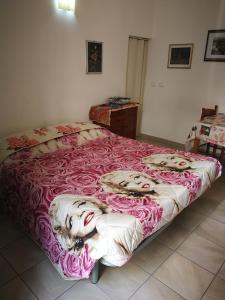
170,110
43,58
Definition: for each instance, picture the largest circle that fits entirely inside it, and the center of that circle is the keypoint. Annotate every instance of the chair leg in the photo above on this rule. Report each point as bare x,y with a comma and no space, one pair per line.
222,154
196,144
207,148
214,150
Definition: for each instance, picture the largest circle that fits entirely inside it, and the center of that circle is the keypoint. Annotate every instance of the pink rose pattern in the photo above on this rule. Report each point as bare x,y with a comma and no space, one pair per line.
31,185
42,131
17,143
67,129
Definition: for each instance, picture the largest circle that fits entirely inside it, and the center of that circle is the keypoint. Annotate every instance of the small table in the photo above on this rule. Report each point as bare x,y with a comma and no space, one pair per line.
121,120
210,130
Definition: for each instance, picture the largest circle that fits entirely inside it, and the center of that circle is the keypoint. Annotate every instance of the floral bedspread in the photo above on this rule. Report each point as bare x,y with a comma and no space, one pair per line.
100,198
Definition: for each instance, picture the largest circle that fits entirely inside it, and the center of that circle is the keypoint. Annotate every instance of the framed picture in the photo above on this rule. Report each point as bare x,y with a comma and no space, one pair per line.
215,46
180,56
94,57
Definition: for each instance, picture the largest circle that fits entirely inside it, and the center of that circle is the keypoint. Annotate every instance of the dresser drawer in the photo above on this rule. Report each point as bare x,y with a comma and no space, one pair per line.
123,121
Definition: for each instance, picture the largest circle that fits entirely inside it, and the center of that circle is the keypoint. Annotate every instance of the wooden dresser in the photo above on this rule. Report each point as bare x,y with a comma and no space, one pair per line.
122,120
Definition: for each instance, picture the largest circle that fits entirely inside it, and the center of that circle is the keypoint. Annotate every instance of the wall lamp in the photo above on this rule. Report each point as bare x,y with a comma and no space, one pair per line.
67,5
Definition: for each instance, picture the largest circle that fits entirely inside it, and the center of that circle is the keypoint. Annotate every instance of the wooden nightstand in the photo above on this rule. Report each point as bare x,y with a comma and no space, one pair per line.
122,120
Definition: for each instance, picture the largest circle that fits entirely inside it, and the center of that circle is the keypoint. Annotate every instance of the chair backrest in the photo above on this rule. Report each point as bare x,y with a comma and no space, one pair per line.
206,112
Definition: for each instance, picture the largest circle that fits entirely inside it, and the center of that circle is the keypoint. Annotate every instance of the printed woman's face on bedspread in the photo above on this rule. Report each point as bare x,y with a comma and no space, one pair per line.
172,198
170,161
74,217
82,220
123,181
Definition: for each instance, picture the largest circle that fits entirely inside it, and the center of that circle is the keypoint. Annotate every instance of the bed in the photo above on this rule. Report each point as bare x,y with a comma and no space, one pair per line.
86,195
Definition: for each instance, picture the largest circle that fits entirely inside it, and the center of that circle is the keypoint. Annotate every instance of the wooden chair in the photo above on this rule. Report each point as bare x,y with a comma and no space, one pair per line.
207,112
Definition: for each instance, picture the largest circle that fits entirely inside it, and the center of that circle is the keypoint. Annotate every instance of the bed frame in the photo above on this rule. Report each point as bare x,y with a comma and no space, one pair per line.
95,273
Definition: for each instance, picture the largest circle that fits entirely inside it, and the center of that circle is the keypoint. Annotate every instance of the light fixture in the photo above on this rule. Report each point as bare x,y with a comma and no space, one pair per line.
67,5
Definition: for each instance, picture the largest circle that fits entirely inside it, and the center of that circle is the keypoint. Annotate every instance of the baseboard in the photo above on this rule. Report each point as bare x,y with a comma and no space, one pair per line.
158,140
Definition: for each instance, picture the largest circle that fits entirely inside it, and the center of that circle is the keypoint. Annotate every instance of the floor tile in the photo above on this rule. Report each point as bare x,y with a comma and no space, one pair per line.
223,201
45,281
85,290
216,290
189,219
121,283
222,272
6,272
222,177
205,253
9,232
151,256
22,254
204,205
213,231
16,290
153,289
183,276
217,190
219,213
173,236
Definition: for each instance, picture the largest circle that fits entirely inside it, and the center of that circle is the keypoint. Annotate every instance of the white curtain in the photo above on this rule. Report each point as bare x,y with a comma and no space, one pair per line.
136,70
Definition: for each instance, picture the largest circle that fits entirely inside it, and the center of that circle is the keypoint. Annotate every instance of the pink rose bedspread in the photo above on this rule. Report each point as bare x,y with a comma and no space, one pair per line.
98,199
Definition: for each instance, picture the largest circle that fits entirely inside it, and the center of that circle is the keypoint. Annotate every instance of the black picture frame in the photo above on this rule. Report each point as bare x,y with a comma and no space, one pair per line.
215,45
94,54
180,56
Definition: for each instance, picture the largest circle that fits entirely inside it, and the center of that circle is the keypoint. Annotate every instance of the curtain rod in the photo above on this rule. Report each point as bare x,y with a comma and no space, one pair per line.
138,37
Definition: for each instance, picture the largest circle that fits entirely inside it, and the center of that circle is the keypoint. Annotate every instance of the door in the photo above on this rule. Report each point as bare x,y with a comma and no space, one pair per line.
136,71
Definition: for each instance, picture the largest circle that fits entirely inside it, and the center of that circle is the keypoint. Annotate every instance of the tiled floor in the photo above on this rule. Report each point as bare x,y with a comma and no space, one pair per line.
187,261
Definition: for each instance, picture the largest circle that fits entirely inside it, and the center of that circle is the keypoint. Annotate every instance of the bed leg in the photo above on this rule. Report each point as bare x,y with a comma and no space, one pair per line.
94,277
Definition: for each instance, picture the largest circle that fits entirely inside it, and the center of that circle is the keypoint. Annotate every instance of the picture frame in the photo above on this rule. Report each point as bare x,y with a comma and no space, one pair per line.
215,45
94,54
180,56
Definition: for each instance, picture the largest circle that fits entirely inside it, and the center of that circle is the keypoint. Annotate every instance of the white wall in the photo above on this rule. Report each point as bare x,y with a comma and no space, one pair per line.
169,111
43,63
43,58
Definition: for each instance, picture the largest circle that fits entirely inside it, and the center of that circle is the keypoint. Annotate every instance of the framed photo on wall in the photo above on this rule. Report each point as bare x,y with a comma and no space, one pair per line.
94,57
180,56
215,46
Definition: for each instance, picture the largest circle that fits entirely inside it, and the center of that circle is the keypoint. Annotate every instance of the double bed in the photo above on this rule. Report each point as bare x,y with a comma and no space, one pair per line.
86,195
